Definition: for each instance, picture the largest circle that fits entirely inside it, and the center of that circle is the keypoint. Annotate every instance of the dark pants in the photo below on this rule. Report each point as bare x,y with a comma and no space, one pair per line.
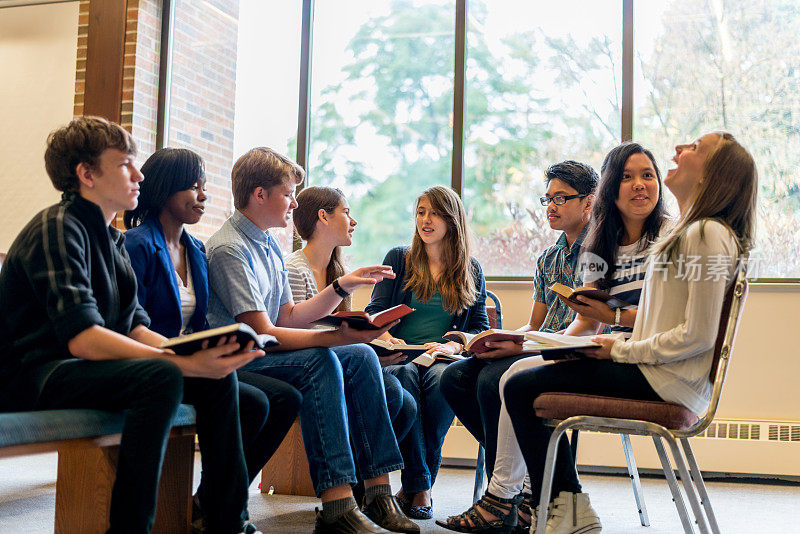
422,446
149,391
471,388
592,377
268,408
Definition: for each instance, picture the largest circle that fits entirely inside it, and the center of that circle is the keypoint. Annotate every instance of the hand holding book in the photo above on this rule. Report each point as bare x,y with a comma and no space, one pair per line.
361,320
603,352
572,295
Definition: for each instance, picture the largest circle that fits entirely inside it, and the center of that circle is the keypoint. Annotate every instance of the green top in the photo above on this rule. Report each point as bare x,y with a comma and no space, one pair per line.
429,322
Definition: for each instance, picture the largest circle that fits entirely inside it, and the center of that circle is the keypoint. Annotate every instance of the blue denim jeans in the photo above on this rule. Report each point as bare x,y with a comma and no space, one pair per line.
402,406
343,400
422,446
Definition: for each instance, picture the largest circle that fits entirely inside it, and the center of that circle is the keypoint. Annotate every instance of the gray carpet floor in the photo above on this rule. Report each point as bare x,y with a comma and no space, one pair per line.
27,500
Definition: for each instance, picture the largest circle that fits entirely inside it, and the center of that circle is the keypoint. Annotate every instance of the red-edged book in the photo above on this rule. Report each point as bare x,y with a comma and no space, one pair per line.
361,320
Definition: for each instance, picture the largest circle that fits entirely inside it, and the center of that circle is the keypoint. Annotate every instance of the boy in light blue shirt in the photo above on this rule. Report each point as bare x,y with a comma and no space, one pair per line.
342,386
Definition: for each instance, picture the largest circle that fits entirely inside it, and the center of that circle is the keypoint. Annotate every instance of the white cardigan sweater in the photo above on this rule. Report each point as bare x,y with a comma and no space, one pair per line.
679,311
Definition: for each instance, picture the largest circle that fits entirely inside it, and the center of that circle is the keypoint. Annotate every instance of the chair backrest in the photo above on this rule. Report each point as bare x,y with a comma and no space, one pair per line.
730,316
495,312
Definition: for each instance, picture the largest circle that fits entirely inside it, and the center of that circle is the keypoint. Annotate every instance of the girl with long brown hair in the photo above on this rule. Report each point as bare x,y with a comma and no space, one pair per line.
437,276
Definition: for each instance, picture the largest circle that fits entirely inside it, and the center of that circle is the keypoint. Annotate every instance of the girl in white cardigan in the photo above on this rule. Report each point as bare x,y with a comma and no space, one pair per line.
670,352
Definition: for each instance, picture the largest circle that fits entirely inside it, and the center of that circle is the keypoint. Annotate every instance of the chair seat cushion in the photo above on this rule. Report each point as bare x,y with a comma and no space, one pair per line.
565,405
22,428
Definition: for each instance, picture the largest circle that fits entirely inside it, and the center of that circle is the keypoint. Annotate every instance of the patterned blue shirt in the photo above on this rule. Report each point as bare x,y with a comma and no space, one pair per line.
245,272
558,263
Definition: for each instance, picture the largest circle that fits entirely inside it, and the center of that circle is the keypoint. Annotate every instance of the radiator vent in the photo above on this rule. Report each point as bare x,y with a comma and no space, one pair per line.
779,432
753,431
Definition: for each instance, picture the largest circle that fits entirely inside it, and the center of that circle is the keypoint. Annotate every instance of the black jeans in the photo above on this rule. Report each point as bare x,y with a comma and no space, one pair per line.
471,388
268,408
592,377
149,391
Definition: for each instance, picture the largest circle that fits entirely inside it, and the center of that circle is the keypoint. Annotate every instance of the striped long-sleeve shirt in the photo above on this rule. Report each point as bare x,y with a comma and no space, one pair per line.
65,272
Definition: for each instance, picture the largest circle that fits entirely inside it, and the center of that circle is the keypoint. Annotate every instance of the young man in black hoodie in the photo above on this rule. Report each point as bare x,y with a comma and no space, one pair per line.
72,334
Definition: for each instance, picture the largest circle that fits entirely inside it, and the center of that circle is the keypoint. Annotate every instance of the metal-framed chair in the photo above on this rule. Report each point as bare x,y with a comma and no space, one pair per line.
669,421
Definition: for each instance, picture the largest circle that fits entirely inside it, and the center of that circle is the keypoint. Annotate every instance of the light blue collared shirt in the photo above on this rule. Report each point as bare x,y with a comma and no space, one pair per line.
246,272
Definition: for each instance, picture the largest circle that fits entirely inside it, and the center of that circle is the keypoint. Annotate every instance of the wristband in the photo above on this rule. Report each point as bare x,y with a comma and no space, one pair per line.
339,289
617,316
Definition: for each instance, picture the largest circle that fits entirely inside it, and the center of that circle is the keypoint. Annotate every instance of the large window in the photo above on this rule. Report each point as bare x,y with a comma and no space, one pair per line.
732,65
544,82
542,86
234,86
382,102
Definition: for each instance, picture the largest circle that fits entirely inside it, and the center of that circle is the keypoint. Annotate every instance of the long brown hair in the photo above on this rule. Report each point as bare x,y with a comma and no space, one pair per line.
309,201
456,284
727,193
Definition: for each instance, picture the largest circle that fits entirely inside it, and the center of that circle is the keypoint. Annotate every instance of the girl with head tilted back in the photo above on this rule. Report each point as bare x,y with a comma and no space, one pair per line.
670,351
437,276
627,216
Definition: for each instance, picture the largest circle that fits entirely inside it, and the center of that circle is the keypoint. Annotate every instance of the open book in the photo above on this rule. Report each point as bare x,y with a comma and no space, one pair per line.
384,348
191,343
414,353
551,346
556,346
589,292
426,360
361,320
476,343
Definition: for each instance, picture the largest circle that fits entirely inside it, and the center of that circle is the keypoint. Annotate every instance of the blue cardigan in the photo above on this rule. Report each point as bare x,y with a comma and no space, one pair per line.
155,275
388,293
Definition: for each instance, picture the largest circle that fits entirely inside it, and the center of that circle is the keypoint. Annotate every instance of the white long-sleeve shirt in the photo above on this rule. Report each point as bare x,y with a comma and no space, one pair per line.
678,319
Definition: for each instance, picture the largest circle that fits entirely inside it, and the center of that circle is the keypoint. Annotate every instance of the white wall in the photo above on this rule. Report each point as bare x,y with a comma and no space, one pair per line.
763,377
38,50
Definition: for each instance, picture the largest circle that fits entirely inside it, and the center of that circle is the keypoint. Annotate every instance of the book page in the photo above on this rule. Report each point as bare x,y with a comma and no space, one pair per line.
548,340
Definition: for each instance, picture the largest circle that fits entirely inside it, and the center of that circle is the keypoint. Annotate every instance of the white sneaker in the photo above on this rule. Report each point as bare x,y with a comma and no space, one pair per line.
571,513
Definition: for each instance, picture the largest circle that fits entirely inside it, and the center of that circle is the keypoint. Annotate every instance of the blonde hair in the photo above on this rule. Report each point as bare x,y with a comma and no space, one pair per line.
727,193
261,167
456,284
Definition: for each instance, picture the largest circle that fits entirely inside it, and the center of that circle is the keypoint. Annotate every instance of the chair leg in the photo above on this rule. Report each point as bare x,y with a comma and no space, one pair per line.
700,485
480,469
672,482
547,478
688,486
573,444
633,473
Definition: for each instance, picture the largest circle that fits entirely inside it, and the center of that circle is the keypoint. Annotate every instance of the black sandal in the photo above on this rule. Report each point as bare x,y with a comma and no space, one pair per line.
414,512
526,507
472,521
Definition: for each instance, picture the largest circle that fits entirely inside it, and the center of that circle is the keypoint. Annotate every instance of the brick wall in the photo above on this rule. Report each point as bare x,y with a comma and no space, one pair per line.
203,88
203,96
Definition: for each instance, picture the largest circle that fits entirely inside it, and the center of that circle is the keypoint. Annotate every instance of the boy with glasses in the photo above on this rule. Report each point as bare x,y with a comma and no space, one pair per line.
471,385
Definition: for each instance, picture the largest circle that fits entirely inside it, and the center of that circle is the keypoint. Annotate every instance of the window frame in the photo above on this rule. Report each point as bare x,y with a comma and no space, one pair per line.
459,94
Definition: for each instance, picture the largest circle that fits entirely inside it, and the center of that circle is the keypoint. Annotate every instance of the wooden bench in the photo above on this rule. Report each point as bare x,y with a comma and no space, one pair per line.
87,443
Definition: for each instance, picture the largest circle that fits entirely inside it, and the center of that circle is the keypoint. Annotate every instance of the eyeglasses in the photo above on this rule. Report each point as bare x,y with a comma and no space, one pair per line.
558,200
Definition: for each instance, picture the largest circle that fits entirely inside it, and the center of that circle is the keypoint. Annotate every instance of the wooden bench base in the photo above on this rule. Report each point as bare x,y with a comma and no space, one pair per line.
86,472
287,471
